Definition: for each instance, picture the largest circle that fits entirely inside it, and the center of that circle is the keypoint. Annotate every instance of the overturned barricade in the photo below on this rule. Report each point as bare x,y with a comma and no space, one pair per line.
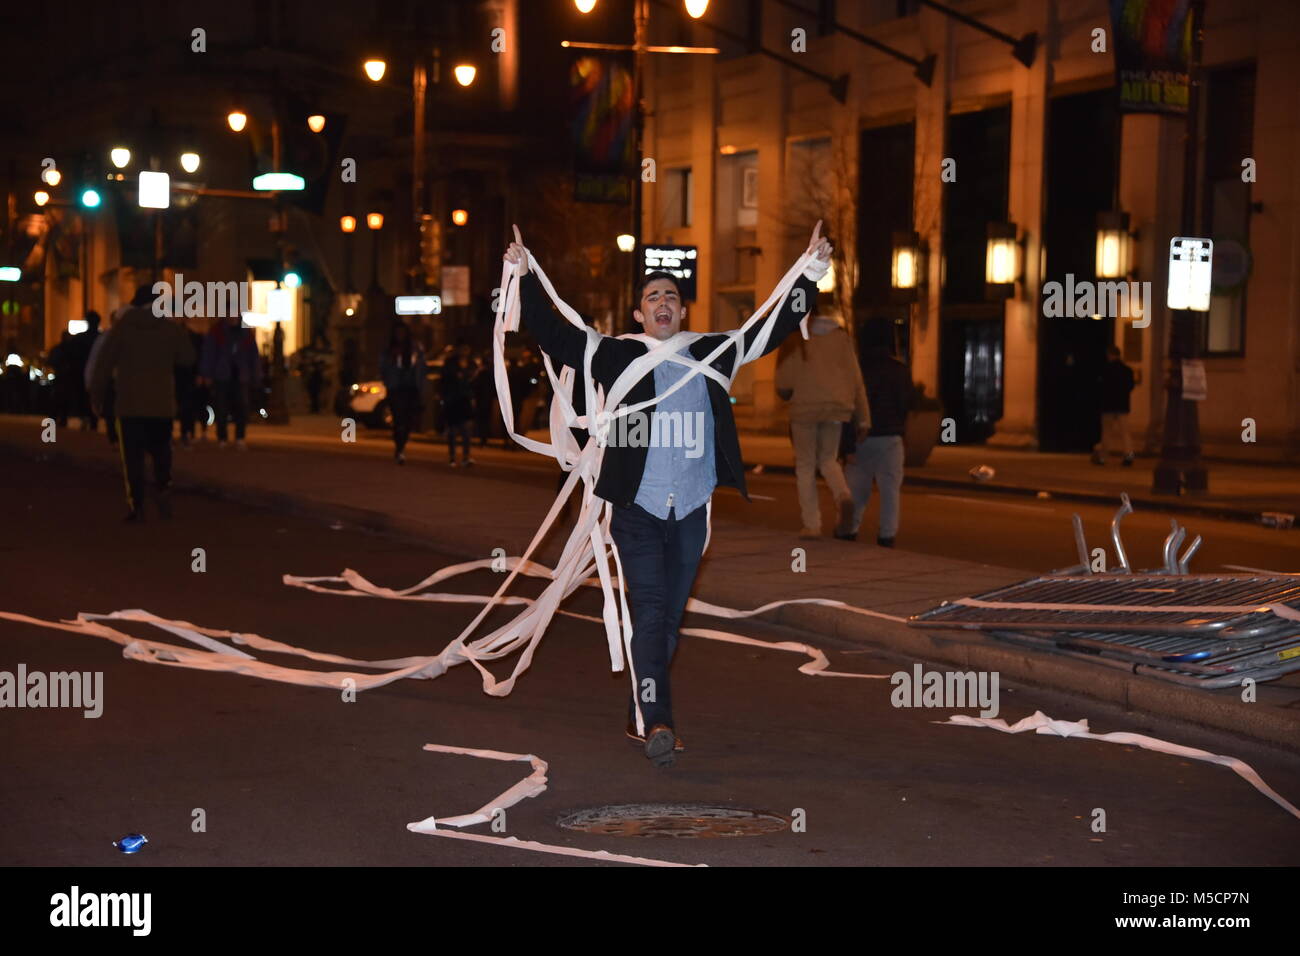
1203,630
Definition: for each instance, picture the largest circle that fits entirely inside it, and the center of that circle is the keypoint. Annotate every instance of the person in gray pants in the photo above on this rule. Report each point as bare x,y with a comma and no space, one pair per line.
878,457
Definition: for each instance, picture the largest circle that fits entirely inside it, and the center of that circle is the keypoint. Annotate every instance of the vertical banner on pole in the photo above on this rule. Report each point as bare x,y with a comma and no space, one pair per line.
1152,44
602,110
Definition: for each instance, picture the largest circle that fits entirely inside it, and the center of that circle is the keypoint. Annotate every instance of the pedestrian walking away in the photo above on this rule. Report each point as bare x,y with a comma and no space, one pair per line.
230,367
659,490
878,456
403,369
821,380
1115,387
81,347
457,388
140,355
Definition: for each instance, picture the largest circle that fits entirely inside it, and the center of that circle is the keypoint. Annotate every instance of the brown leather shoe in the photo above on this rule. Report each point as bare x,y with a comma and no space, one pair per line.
639,741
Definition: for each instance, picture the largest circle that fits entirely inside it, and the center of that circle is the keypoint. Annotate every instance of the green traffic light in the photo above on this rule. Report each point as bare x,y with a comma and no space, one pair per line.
90,198
292,280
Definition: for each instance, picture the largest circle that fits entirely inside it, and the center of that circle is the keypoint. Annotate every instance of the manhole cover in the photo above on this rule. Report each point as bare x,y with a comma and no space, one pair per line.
674,820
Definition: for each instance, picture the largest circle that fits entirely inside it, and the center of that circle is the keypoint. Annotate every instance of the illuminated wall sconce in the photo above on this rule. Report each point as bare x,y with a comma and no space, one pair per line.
348,223
907,267
1001,261
374,220
1114,246
460,216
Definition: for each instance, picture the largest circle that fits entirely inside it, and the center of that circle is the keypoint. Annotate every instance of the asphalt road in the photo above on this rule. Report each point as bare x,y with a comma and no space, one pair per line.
296,776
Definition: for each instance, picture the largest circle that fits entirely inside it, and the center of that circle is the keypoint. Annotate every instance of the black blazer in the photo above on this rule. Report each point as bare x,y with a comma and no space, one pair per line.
623,466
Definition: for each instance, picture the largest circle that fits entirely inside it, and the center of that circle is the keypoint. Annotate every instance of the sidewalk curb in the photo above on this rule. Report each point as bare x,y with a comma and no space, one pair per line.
1220,711
1179,505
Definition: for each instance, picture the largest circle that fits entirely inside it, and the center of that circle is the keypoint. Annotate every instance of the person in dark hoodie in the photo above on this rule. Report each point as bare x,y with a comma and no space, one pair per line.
231,367
878,456
403,369
139,358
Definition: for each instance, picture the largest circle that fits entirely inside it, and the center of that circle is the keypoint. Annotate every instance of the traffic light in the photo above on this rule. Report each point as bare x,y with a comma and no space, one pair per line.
90,198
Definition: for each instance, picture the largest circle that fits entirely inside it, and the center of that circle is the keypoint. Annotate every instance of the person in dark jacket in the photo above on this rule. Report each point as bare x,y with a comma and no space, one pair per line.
403,369
1115,384
231,367
140,355
878,456
81,346
458,401
63,363
660,494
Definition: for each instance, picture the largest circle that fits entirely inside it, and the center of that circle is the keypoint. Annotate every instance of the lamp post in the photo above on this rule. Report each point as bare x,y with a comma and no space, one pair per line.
1180,467
421,76
640,47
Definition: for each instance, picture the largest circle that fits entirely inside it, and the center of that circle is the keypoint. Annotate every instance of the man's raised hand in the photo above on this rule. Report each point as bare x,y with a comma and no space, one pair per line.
515,252
819,247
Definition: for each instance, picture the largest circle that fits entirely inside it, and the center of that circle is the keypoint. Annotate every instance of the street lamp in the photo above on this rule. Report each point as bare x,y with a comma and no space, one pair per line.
465,73
190,162
374,220
375,69
348,223
51,177
626,242
237,119
460,216
121,156
585,6
696,8
41,197
315,122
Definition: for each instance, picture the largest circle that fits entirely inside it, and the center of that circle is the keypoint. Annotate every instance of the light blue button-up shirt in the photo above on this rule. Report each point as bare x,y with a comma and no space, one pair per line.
672,478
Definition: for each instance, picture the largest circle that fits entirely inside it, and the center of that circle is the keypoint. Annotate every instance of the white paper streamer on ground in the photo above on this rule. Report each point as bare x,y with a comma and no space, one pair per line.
1042,724
530,786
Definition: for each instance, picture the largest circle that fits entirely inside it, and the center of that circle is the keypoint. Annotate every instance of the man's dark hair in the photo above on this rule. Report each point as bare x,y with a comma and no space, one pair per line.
144,295
650,277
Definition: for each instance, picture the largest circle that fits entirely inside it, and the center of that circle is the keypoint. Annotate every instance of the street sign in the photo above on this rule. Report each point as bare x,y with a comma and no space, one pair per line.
677,261
154,190
1190,267
419,305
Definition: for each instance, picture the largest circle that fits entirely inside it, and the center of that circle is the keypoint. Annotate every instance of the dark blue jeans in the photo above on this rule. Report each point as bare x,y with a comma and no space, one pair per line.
659,561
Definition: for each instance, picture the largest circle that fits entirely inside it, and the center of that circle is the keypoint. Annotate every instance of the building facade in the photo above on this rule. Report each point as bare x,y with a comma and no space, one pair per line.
751,151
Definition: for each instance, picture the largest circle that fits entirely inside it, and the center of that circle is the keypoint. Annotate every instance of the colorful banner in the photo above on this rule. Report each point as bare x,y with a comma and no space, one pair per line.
601,100
1152,47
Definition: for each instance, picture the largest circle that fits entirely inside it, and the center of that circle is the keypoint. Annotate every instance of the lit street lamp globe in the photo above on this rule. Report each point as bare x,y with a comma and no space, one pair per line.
189,162
375,69
465,73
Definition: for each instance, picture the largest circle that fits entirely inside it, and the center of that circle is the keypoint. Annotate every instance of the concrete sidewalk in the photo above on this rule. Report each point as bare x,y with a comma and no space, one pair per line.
469,513
1238,490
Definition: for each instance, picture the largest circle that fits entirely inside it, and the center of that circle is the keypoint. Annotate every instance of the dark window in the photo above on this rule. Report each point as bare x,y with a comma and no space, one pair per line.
980,143
1225,203
886,163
